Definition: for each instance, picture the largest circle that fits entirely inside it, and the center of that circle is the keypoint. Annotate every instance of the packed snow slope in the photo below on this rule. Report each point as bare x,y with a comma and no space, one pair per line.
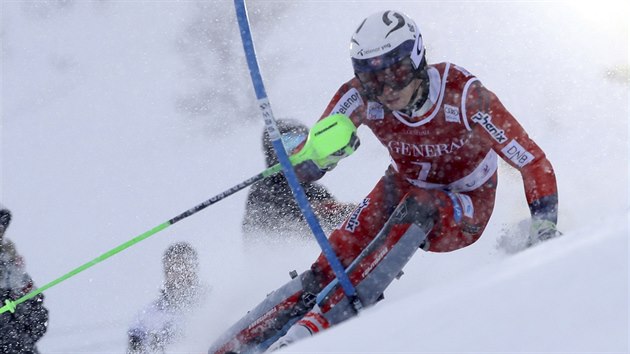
558,297
118,115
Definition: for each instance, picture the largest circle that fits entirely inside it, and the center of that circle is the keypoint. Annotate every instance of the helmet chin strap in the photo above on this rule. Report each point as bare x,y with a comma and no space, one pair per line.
416,101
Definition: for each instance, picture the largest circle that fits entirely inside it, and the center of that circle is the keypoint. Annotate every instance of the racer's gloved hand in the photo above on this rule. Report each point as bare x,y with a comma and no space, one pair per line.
308,171
314,169
542,230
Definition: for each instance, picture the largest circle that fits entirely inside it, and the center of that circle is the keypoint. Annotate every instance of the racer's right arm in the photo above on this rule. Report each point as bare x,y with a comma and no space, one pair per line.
349,101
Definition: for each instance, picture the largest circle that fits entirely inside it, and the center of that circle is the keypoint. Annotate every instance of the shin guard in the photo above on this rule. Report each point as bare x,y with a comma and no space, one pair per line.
381,261
270,320
372,271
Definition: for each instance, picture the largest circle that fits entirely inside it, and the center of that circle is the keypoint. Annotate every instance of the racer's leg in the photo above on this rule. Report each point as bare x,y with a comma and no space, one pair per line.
282,308
434,220
462,217
363,224
358,249
377,265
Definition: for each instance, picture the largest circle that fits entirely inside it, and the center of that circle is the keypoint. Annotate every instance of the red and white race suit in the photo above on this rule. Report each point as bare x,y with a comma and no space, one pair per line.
443,171
445,154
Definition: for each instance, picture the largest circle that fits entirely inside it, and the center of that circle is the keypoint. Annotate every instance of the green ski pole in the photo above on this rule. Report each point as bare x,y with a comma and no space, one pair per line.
332,136
11,305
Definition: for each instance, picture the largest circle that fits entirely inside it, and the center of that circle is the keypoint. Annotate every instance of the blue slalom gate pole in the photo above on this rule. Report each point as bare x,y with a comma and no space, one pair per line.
289,173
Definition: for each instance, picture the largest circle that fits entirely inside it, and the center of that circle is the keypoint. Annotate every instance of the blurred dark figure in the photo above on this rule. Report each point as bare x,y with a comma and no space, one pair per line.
161,322
271,208
19,331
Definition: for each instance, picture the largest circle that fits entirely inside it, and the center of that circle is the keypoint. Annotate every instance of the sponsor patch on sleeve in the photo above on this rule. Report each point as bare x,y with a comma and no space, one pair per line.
375,111
485,120
517,154
350,101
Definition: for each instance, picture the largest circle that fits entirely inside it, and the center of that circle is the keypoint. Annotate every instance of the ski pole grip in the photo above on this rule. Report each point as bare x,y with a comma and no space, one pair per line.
329,140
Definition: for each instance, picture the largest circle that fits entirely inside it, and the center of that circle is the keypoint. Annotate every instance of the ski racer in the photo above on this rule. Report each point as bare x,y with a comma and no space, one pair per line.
444,131
161,323
271,208
20,330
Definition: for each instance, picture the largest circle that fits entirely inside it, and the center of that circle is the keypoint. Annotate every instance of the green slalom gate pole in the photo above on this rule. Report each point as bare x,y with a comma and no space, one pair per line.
331,135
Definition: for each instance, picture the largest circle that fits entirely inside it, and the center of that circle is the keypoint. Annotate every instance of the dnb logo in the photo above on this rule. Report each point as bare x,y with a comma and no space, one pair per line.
353,221
517,154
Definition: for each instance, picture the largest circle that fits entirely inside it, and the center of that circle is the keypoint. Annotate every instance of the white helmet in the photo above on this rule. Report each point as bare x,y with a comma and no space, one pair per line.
385,38
389,40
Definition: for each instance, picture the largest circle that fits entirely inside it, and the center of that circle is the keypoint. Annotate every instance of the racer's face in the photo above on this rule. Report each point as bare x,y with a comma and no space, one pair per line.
397,100
393,86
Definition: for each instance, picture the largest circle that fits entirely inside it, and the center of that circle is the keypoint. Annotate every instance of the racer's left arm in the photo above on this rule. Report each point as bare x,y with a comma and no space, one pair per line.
494,123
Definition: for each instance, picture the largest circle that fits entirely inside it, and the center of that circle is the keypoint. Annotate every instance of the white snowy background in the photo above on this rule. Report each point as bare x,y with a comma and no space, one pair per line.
118,115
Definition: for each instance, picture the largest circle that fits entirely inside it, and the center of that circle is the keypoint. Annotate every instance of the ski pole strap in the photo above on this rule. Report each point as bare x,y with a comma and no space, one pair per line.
274,135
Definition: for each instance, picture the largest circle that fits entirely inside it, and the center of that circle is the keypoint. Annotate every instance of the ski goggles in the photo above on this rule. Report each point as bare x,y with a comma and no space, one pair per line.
291,140
397,76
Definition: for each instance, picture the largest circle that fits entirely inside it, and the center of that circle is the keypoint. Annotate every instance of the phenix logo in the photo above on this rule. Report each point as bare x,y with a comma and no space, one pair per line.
353,221
485,120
